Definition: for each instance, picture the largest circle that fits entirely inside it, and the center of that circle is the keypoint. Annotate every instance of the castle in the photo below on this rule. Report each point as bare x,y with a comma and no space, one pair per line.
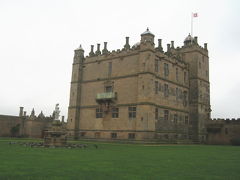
137,93
140,92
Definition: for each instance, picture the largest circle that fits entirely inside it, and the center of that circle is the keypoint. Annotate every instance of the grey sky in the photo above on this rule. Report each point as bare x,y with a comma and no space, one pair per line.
37,39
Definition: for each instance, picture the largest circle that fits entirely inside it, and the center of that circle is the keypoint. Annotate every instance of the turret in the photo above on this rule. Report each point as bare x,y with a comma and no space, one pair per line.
79,55
147,36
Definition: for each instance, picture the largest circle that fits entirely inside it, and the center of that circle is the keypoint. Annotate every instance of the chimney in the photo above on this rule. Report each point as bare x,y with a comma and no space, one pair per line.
21,112
196,39
127,46
98,52
205,46
24,113
172,44
92,51
160,45
168,47
105,45
62,119
105,51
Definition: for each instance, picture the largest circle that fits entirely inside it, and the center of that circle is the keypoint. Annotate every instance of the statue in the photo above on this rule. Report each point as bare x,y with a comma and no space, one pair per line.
56,112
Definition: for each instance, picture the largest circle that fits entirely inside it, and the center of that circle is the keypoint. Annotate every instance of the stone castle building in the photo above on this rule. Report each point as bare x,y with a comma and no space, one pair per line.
141,92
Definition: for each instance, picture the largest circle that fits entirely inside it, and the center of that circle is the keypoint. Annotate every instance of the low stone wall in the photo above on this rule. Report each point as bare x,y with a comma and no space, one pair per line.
223,131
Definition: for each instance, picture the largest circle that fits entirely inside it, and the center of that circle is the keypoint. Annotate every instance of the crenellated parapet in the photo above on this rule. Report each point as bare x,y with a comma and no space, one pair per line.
224,121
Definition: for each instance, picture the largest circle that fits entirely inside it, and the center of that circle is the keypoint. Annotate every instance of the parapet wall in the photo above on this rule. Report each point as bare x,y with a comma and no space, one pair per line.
224,121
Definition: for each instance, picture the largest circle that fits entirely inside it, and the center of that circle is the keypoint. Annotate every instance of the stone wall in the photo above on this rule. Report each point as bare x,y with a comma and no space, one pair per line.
223,131
7,122
28,127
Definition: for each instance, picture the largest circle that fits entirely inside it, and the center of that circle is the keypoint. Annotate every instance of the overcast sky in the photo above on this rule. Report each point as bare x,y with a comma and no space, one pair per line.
37,40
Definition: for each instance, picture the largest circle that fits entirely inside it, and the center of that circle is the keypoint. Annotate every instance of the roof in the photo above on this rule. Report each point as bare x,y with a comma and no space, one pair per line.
189,38
80,48
147,32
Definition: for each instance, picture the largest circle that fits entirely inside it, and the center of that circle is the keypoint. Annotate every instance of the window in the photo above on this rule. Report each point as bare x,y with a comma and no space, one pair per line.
185,98
109,69
166,69
185,77
159,87
156,65
108,89
177,78
131,135
115,112
132,111
156,87
186,120
156,113
166,90
200,65
99,113
166,114
113,135
175,118
177,93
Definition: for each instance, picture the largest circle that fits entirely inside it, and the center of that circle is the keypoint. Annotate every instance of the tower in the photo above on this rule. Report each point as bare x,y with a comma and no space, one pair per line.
75,92
199,93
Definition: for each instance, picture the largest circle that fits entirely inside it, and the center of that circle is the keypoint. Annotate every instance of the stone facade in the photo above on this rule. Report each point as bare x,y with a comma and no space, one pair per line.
141,92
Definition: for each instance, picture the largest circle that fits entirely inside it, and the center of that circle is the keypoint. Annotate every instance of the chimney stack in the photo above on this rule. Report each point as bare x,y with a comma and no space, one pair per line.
168,47
160,45
98,52
172,44
196,39
92,51
205,46
127,46
21,112
105,51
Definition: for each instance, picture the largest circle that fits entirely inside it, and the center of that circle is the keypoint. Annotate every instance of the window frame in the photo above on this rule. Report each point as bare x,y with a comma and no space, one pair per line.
132,112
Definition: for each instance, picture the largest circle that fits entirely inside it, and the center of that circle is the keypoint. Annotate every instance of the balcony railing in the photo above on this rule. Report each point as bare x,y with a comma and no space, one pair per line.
106,96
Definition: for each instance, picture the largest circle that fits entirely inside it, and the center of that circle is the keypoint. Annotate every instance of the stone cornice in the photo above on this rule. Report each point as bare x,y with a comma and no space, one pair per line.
133,104
132,75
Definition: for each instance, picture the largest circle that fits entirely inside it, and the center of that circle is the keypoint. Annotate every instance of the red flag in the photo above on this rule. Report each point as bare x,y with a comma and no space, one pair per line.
195,14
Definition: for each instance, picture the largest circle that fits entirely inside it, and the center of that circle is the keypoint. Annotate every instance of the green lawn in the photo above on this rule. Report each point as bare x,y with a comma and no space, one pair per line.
120,161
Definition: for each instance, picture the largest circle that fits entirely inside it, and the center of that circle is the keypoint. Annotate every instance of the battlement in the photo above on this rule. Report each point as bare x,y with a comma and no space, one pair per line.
224,121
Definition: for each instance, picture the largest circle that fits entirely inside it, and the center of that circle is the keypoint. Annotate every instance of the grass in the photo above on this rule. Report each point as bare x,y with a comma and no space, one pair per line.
119,162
